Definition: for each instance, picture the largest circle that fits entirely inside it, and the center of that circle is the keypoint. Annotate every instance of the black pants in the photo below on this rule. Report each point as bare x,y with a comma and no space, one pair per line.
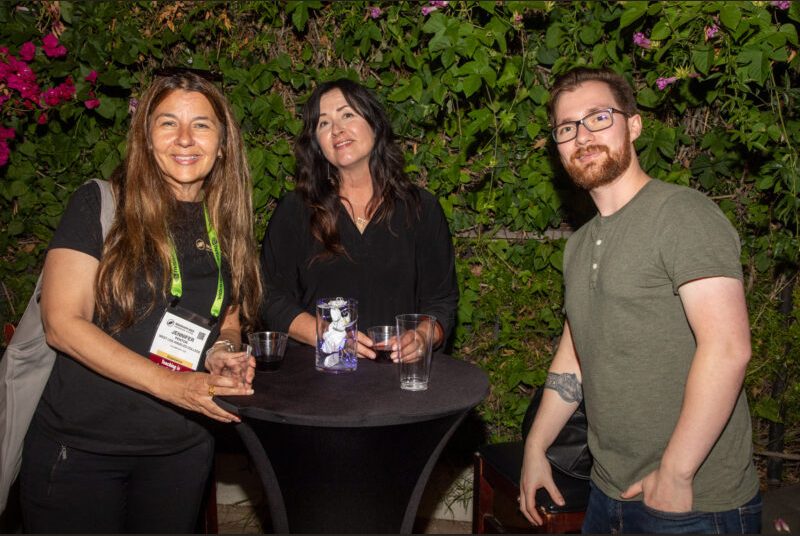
64,490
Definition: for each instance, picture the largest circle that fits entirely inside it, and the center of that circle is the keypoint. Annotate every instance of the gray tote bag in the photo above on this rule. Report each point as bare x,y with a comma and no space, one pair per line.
25,369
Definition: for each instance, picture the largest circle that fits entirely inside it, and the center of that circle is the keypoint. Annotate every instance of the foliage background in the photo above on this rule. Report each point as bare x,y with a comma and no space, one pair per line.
465,83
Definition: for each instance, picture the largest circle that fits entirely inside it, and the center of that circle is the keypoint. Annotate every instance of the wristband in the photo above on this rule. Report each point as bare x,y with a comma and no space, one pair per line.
228,346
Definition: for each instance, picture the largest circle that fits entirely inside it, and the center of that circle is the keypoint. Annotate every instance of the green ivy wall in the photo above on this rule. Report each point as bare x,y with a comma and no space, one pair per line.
466,86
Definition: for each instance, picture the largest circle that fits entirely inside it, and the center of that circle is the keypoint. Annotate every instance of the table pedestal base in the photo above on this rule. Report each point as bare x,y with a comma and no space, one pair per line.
371,478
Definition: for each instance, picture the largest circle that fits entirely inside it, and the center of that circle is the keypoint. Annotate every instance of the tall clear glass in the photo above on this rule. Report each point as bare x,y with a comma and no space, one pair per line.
415,339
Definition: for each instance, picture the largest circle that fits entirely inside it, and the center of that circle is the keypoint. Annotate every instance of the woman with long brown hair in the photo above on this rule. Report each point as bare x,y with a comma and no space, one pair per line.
118,442
356,226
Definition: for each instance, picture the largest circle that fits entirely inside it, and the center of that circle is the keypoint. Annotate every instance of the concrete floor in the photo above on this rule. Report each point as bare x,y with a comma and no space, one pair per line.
245,519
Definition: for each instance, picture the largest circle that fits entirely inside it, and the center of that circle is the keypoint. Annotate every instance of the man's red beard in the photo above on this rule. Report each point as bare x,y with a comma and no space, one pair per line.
599,173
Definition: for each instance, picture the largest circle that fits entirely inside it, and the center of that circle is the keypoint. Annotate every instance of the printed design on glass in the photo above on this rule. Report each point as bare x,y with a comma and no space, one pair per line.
337,334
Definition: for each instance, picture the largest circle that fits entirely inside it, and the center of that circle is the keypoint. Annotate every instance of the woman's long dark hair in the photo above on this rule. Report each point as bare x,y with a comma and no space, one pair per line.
318,181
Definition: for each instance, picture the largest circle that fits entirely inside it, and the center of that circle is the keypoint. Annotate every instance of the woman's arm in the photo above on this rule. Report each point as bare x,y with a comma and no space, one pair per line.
67,310
435,271
283,248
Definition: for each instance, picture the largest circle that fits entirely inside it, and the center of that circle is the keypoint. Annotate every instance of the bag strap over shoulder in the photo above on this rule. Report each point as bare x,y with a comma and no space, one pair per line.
107,204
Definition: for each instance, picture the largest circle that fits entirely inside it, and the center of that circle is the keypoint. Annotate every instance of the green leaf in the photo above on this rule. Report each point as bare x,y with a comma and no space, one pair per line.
109,164
767,408
67,9
471,84
730,15
553,35
510,74
756,64
790,31
702,58
15,227
17,189
591,33
299,15
107,108
633,12
661,31
648,98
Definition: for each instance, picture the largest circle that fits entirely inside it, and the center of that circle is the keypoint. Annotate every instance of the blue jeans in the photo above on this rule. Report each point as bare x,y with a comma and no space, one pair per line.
605,515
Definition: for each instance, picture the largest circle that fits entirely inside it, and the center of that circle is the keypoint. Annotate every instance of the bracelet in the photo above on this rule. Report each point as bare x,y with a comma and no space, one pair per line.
228,346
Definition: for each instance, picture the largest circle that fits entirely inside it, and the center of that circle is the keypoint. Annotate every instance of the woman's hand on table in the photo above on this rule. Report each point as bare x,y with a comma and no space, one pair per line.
222,360
195,391
364,349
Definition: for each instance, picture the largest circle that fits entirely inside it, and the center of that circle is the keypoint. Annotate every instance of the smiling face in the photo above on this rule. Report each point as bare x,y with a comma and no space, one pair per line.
185,134
345,137
594,159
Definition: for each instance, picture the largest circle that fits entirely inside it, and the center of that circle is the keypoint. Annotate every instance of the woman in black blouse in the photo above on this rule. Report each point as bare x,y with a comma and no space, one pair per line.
118,443
355,226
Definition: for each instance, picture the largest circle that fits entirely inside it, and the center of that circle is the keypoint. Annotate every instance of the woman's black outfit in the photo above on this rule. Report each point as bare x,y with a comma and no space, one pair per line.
96,445
398,265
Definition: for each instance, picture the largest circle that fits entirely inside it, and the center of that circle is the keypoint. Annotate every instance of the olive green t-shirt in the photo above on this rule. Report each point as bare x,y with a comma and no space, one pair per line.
635,345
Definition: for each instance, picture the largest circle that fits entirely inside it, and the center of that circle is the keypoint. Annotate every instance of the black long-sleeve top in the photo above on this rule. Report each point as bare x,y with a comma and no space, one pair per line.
397,266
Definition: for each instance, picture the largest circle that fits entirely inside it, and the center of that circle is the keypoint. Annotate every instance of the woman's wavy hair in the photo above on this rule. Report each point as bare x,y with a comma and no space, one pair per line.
136,253
318,181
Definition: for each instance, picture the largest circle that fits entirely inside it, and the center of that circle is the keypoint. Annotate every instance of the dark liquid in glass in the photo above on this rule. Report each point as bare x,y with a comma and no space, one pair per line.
268,366
381,355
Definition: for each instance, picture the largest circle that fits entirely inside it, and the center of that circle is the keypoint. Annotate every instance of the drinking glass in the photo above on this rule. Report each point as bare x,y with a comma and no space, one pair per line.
337,335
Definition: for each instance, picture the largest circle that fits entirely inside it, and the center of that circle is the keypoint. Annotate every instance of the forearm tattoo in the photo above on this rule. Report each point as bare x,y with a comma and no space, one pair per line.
566,385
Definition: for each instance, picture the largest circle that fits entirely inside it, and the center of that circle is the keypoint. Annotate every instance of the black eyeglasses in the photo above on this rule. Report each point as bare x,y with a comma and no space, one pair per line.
594,122
211,76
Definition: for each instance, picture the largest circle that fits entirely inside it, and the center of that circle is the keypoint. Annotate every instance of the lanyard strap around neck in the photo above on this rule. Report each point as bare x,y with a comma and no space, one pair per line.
176,288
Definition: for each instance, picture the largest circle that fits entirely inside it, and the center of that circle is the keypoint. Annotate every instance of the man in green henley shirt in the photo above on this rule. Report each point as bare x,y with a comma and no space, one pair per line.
656,339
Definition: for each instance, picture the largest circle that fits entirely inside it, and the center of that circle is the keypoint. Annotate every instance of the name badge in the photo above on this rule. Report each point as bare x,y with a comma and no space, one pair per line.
179,340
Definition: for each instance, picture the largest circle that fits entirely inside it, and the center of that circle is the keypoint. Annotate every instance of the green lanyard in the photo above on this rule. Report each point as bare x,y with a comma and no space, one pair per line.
176,289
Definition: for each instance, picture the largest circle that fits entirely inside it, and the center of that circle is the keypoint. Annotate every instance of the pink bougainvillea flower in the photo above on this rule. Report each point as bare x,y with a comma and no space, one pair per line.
92,103
91,77
4,152
42,119
52,97
51,47
639,39
3,98
66,89
664,82
781,4
7,133
21,69
439,3
374,12
132,105
711,31
27,51
427,10
781,525
28,90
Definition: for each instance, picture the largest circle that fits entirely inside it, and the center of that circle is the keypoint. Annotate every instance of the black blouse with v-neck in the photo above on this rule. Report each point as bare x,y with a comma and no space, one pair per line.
394,267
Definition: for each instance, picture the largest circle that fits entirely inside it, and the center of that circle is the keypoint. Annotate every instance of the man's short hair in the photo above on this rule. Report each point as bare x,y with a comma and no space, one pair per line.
620,88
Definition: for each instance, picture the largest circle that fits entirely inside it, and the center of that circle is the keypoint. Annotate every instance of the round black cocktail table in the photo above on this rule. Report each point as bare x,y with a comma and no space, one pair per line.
350,453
